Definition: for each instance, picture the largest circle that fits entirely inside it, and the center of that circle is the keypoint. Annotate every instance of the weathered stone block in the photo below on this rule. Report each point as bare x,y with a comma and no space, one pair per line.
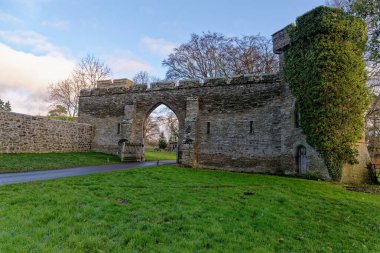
139,88
281,40
162,86
189,83
212,82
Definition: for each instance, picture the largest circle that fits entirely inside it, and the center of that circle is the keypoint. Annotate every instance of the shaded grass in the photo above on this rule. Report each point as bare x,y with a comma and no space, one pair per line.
30,162
151,155
167,209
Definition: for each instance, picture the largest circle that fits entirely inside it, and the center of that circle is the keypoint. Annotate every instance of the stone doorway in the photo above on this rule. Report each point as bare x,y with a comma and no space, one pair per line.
302,160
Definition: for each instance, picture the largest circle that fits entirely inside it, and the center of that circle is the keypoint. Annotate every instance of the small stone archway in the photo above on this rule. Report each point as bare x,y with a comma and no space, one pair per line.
180,127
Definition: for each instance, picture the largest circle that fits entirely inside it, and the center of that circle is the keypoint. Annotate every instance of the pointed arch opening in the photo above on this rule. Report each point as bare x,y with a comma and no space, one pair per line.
160,133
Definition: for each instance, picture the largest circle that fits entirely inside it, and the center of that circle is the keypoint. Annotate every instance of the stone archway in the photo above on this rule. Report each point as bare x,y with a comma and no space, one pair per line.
132,125
169,110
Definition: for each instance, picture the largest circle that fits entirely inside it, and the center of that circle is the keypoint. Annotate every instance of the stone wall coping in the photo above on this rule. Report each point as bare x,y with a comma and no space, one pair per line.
246,79
43,118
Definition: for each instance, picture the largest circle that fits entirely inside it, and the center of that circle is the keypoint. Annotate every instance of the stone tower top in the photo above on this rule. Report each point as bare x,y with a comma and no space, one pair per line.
280,40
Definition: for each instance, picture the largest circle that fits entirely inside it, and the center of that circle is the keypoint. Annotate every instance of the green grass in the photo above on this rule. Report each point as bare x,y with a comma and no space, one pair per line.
22,162
167,209
151,155
31,162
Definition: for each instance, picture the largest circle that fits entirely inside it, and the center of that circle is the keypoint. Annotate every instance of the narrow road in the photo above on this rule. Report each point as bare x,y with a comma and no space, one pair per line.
14,178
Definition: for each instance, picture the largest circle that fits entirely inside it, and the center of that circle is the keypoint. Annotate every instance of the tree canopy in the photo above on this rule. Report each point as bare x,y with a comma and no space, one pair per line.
216,55
65,93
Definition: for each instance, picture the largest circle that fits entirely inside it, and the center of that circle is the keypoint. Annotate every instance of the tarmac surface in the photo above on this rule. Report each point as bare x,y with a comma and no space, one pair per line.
21,177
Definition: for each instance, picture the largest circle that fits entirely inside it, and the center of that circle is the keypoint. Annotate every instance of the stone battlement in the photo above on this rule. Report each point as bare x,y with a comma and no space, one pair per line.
108,88
114,83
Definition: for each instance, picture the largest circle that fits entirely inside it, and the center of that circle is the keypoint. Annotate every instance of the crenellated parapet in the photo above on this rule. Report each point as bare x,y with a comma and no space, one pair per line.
109,88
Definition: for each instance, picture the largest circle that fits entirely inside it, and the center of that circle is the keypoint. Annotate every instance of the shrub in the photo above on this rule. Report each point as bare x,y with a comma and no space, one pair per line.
162,143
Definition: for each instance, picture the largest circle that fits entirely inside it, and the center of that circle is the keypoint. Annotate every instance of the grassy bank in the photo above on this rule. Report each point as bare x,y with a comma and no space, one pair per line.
167,209
31,162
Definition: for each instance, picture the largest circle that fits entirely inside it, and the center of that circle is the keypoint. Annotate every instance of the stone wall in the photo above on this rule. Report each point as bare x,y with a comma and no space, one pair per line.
21,133
245,123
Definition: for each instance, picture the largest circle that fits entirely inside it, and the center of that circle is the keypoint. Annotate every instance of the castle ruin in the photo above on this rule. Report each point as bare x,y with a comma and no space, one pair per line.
246,123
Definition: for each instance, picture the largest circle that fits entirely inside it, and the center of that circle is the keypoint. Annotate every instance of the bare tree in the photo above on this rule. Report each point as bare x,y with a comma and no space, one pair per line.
172,123
340,4
143,77
90,70
151,130
215,55
66,92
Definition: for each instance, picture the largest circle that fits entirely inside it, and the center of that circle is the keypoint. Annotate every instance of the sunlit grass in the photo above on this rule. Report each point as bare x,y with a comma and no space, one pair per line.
151,155
167,209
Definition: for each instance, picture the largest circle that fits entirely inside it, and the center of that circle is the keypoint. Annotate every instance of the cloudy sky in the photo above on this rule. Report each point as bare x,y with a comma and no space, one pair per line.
41,40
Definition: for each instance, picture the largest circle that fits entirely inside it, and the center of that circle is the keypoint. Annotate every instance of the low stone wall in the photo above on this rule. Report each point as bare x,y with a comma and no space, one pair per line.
20,133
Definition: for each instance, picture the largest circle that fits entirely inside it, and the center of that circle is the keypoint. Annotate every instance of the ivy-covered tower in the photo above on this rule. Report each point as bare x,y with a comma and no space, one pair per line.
321,59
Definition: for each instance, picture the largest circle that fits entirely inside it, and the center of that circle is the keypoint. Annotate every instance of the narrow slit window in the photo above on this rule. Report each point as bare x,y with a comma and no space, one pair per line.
297,116
251,127
118,128
208,127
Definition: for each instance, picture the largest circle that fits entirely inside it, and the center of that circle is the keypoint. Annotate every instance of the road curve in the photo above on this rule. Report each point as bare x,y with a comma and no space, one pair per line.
21,177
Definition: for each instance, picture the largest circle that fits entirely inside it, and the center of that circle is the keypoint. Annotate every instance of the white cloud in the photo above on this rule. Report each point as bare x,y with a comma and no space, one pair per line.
35,41
125,65
158,46
5,17
24,78
59,24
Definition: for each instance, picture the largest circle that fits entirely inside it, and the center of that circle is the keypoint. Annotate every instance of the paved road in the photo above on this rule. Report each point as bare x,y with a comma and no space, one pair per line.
13,178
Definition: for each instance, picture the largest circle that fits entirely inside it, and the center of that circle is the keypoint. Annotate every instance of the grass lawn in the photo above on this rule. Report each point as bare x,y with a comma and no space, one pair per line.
151,155
30,162
168,209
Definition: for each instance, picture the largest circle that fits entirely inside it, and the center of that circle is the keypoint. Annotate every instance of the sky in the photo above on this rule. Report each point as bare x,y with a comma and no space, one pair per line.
41,41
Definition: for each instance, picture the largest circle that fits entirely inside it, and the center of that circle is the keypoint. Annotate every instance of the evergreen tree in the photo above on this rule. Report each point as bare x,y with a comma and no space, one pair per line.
162,143
5,106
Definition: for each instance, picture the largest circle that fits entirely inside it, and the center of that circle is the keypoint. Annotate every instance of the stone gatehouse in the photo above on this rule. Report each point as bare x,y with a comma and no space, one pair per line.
246,123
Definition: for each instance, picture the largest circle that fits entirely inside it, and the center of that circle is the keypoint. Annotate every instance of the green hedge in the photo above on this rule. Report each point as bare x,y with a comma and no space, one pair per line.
325,69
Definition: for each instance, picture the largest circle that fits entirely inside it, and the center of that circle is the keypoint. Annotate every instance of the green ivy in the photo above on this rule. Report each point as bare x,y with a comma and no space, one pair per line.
325,69
64,118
